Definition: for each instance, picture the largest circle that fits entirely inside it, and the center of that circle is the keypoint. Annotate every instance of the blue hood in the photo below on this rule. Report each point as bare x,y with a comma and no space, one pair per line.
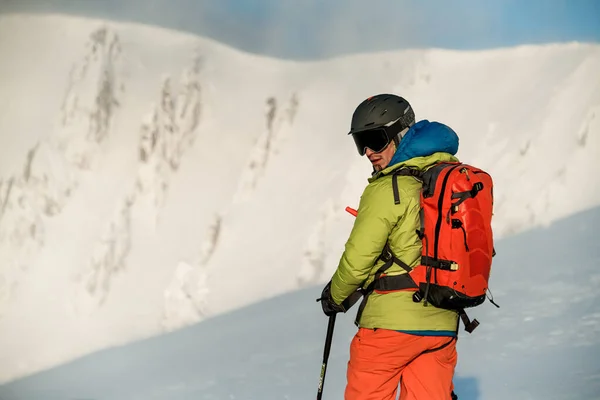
425,138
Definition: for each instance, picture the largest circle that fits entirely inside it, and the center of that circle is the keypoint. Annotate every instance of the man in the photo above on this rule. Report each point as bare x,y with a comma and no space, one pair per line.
399,341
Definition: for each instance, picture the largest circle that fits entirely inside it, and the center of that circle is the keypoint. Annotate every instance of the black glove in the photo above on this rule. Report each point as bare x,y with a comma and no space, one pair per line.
329,306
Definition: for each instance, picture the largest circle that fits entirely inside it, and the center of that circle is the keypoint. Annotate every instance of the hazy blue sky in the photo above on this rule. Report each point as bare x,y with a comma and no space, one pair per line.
313,29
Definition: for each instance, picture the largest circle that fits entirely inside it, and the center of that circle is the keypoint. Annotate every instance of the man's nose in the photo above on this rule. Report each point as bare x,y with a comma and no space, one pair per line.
368,151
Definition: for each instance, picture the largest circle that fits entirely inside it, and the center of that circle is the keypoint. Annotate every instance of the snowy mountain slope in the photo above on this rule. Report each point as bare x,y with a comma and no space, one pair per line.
542,343
151,179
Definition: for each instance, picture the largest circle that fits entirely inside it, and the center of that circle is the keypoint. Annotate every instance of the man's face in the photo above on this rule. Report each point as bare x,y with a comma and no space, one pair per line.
382,159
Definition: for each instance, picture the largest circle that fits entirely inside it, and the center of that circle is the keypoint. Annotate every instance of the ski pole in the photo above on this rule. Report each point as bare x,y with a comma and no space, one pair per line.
329,338
326,351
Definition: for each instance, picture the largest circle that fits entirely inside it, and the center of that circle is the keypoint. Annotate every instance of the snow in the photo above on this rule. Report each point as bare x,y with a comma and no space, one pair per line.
542,343
150,180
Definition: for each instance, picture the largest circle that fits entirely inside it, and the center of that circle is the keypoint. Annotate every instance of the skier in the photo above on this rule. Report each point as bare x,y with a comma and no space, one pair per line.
399,341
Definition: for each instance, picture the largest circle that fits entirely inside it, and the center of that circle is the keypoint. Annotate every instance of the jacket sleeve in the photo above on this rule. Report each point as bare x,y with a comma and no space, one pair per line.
377,216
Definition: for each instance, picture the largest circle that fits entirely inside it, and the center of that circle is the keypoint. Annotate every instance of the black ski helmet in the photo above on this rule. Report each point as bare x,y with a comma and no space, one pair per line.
380,111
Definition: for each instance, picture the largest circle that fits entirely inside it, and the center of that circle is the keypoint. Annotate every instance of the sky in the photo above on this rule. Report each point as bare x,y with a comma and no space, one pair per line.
313,29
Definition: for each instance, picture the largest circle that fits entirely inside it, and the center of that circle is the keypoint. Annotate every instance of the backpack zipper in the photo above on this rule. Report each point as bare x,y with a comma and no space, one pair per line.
438,225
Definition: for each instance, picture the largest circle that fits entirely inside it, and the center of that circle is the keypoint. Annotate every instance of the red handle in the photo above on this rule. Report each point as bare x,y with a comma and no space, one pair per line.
352,211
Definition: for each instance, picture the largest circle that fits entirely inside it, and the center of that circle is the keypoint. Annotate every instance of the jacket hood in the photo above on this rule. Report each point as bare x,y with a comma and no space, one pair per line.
425,138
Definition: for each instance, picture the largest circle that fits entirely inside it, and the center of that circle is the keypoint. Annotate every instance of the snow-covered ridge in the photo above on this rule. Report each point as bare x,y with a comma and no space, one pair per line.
149,179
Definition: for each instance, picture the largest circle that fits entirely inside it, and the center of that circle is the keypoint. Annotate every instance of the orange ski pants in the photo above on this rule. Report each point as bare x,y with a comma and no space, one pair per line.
380,359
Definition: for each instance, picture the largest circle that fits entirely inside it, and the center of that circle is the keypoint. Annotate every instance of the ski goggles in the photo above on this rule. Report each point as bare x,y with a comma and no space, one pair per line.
377,139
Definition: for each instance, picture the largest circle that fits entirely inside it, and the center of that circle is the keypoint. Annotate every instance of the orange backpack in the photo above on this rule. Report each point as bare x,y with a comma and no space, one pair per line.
458,245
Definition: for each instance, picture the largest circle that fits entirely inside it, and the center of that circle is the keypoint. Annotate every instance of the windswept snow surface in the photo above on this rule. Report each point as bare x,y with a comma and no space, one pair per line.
151,179
543,343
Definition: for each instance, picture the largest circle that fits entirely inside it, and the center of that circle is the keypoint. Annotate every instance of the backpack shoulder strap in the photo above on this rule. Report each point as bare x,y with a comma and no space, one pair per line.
404,172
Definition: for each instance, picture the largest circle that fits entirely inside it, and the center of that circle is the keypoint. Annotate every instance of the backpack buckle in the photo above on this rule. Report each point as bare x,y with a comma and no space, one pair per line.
477,187
386,255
